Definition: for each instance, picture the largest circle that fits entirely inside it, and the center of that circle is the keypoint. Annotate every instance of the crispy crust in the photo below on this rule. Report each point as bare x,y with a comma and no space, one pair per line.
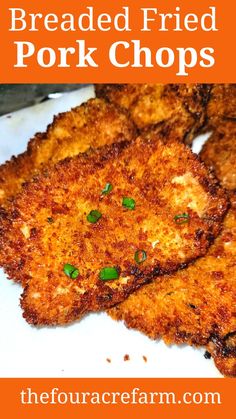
222,104
194,306
92,124
219,154
181,106
164,180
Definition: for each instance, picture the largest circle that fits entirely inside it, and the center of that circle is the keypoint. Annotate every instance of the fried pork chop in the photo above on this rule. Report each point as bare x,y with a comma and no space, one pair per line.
159,210
92,124
196,305
219,153
181,106
221,105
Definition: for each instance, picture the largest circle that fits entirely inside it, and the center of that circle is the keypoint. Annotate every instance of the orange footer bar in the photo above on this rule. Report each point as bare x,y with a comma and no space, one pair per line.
119,398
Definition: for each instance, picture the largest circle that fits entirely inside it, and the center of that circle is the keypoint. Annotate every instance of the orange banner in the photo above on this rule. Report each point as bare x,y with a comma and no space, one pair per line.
121,41
119,398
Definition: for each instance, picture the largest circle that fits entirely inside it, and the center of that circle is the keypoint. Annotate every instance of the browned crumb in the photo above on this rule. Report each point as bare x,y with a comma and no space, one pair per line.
207,355
108,360
145,358
126,357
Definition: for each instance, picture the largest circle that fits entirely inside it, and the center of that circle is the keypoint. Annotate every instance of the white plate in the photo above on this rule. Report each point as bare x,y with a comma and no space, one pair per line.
80,349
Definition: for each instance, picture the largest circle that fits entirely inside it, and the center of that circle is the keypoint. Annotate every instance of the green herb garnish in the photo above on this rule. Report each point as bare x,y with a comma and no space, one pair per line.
94,216
108,188
140,256
128,203
71,271
109,273
181,218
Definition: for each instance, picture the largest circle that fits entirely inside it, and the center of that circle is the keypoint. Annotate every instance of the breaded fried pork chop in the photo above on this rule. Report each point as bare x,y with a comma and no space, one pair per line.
77,249
182,106
219,153
221,105
92,124
196,305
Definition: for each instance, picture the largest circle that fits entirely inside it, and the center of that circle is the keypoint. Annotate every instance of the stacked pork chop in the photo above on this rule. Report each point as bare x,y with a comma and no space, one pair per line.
107,209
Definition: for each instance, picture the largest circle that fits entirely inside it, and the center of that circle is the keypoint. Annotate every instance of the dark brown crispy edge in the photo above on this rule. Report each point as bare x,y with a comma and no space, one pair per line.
223,353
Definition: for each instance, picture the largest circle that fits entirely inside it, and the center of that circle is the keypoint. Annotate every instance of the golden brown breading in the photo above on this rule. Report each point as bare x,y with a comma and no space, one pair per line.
196,305
92,124
224,351
47,227
219,153
182,106
221,105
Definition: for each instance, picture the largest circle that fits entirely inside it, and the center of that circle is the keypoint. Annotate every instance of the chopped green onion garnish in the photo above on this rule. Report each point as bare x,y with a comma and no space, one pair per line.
181,218
106,274
71,271
93,216
108,188
128,203
140,256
